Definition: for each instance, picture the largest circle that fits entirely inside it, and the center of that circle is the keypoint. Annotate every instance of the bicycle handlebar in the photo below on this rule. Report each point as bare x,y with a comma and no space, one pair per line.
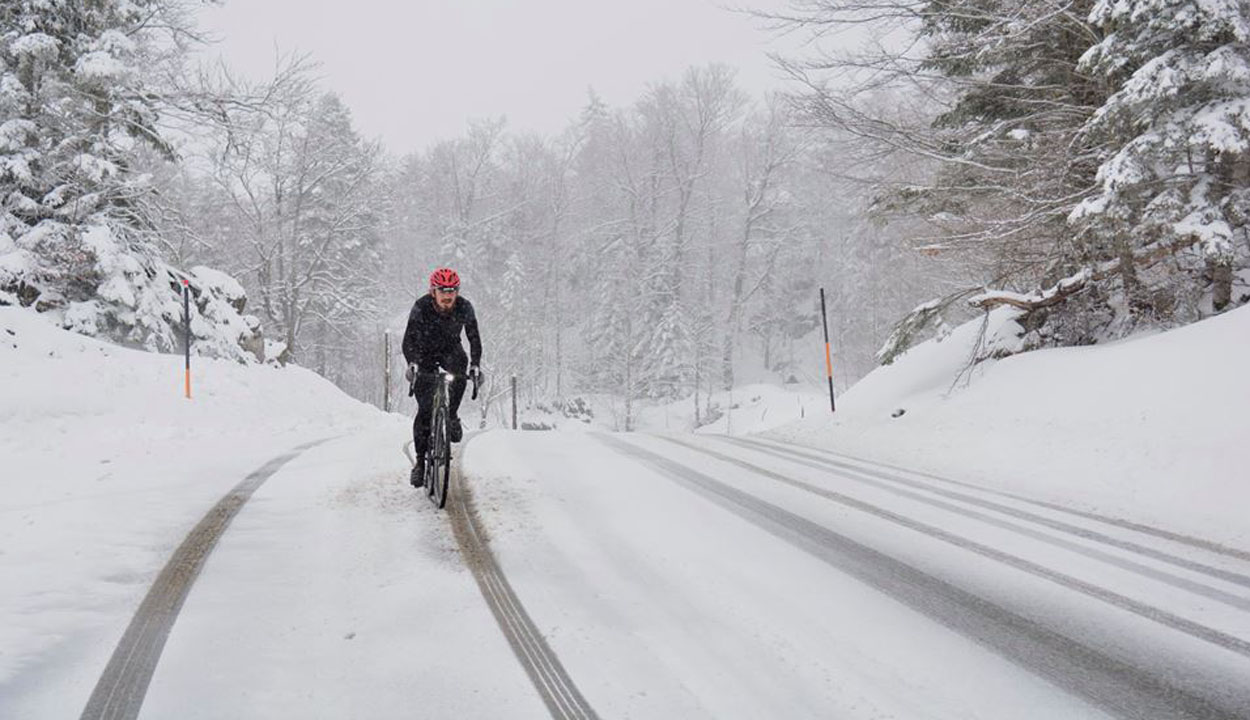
412,386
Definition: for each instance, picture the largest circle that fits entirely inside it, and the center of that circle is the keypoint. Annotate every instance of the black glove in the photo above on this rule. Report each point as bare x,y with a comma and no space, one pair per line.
410,373
475,374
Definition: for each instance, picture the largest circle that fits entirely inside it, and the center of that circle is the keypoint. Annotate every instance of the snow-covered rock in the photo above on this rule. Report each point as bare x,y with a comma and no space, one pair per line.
110,291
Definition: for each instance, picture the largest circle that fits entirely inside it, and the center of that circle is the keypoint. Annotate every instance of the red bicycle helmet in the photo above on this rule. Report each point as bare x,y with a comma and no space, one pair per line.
444,278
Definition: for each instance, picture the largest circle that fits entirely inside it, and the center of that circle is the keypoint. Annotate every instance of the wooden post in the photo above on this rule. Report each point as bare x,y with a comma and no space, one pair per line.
514,402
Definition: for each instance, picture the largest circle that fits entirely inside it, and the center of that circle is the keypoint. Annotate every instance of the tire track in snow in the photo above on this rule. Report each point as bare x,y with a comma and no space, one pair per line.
847,462
559,693
1149,612
1121,689
124,683
867,478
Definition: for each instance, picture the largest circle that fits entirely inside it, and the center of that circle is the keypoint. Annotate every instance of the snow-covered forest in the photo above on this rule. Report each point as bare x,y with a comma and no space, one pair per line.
1083,162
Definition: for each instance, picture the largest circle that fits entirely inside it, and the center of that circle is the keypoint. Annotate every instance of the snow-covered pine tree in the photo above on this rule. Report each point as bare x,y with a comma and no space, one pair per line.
1009,166
76,234
513,329
668,349
337,253
1169,219
612,329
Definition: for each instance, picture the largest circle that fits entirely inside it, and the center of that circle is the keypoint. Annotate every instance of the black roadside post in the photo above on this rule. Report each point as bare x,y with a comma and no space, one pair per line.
824,319
514,402
186,324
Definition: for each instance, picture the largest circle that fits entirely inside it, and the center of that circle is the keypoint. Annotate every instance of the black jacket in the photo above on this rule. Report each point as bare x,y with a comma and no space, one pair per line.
431,334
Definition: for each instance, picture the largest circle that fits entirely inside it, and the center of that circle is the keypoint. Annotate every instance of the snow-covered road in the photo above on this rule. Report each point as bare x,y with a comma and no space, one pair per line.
652,576
683,576
339,592
716,578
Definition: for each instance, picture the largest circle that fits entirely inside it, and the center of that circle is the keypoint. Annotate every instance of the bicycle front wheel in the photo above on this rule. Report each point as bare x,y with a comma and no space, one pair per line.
441,460
431,456
429,472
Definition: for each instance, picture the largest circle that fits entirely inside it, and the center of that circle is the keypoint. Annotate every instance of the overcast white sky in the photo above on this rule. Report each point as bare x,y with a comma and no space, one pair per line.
416,71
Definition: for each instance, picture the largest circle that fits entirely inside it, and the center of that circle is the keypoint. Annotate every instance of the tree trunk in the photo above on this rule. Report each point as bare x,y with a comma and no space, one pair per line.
1222,278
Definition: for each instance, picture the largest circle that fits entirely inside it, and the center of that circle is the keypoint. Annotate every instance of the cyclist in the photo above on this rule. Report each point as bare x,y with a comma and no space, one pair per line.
431,341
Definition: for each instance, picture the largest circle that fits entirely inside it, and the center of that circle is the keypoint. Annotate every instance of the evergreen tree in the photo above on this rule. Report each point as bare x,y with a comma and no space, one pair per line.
74,105
77,114
1009,164
1175,138
1076,153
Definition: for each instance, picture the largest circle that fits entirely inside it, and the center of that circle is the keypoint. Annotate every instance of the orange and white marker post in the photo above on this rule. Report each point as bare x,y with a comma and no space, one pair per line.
824,319
186,324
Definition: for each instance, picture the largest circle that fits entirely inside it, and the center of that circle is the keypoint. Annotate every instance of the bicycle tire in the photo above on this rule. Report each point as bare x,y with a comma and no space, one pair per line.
441,460
445,486
429,473
431,458
429,464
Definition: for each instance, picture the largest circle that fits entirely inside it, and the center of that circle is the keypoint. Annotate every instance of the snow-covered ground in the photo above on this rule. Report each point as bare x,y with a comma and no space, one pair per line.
662,605
337,591
753,408
682,580
105,467
1153,429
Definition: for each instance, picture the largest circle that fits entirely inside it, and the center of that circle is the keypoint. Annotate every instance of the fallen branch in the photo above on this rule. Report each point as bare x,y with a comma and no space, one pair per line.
1051,296
1073,284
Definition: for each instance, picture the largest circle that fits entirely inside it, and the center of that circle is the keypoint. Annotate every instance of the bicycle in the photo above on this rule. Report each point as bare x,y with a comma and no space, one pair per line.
437,474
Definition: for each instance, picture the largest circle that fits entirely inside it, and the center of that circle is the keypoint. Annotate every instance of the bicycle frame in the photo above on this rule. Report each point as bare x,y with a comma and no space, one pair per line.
438,452
438,448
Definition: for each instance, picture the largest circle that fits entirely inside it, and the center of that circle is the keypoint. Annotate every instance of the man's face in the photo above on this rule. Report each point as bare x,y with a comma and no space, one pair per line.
444,298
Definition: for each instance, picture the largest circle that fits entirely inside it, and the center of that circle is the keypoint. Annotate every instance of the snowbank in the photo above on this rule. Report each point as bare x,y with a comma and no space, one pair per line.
104,466
1154,429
